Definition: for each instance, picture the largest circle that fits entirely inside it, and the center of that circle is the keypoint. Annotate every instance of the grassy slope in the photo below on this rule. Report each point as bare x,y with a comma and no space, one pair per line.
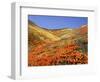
42,33
38,36
55,43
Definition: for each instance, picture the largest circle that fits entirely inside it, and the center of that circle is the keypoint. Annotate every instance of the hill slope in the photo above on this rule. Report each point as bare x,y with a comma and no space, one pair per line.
56,47
41,33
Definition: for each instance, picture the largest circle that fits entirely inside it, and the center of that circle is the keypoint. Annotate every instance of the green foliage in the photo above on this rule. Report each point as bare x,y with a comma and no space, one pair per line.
83,45
63,63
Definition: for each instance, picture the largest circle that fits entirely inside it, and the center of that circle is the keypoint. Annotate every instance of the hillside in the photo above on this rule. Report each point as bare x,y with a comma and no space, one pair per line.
56,47
41,33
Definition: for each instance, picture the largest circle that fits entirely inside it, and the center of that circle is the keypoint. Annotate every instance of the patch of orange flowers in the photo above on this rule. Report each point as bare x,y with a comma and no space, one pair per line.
63,56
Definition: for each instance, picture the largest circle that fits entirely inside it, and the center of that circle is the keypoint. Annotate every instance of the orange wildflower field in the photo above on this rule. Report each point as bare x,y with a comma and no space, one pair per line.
57,47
